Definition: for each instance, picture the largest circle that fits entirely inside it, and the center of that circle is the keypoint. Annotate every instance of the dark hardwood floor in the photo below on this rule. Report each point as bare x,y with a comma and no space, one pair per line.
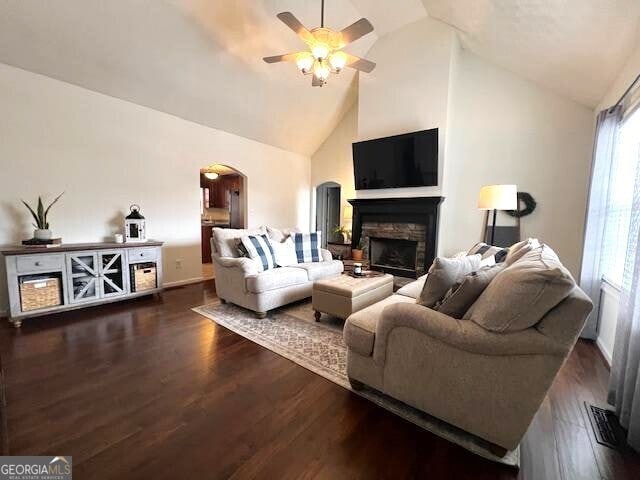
149,389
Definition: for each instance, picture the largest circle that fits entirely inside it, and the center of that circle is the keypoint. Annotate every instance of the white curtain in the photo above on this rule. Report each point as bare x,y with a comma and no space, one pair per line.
607,126
624,384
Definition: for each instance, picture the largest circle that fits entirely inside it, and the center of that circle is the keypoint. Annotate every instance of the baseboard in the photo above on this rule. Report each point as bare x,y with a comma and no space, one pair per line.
182,283
604,353
4,313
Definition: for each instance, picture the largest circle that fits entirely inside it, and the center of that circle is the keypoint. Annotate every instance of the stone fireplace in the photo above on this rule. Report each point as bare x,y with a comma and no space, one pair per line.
398,235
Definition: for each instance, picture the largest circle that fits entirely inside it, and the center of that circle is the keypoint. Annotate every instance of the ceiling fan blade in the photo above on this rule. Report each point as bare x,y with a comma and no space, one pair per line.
316,82
358,63
287,57
294,24
354,31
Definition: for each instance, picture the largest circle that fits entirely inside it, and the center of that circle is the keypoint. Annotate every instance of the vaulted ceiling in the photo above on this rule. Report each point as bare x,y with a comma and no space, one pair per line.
575,47
198,59
201,59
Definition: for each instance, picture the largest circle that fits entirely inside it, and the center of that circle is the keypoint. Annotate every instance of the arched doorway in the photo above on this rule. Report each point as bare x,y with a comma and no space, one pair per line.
223,204
328,211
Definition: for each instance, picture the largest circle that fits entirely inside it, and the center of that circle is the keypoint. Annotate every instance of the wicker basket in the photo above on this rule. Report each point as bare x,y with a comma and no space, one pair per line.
37,293
144,277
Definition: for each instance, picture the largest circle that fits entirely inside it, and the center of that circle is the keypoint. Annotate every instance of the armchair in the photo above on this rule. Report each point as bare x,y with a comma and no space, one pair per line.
489,384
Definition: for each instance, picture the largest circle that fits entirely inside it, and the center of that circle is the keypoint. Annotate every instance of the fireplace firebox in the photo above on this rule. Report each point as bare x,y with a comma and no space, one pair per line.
393,255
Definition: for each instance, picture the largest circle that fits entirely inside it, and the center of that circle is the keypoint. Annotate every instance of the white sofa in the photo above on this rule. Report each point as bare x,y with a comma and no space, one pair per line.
238,280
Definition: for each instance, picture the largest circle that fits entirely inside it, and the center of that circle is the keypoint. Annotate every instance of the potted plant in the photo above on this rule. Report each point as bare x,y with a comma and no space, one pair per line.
40,215
344,232
356,253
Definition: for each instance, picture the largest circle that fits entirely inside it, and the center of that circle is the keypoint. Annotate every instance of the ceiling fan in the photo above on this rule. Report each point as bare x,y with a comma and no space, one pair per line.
325,55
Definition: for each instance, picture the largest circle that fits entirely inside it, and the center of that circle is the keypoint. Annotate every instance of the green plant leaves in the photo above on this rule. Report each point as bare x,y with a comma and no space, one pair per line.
51,205
41,216
35,216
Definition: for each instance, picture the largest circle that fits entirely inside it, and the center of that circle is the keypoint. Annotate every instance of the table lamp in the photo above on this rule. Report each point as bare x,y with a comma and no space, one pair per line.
497,197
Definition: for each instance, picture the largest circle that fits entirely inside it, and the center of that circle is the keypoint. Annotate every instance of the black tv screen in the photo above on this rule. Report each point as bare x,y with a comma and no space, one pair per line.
407,160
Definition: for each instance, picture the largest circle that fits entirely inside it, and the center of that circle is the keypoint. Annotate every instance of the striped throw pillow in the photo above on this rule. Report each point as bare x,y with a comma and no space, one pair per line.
489,254
260,250
307,246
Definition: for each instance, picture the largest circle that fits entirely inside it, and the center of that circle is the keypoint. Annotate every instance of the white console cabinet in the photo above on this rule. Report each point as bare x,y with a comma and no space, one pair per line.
84,274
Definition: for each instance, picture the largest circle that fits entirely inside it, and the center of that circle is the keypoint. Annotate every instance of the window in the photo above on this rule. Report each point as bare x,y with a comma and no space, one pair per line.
623,175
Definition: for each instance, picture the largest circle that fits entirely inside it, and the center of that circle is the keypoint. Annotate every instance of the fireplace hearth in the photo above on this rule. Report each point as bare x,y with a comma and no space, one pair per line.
398,235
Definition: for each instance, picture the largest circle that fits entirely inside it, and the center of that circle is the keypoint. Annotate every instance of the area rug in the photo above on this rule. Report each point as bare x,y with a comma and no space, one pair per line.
318,346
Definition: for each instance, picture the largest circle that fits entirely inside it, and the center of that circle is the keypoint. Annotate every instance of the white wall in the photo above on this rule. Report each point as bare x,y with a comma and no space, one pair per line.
628,73
106,153
408,90
333,161
504,129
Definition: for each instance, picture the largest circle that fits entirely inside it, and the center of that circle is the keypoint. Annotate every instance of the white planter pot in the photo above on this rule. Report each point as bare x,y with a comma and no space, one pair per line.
41,234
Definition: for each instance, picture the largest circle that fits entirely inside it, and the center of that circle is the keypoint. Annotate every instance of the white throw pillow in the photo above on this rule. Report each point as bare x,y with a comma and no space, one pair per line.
280,234
285,253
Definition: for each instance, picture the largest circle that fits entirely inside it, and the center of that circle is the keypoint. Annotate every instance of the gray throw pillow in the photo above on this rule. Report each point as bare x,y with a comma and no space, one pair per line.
443,274
462,295
523,292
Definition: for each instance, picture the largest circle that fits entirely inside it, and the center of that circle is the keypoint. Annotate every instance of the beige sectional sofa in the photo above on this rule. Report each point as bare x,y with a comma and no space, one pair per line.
487,382
238,280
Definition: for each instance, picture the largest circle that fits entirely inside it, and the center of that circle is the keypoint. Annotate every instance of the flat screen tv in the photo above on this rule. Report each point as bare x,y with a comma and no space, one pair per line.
407,160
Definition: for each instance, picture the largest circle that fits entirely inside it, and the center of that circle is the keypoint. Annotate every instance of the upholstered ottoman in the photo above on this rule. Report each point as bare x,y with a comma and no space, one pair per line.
341,296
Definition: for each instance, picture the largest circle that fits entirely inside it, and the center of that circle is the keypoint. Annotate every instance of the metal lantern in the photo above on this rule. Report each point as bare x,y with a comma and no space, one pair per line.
134,226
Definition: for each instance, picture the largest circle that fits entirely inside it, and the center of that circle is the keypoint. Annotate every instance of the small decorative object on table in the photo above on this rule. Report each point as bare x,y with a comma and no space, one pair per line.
357,268
356,253
348,265
344,232
34,242
134,225
366,274
42,231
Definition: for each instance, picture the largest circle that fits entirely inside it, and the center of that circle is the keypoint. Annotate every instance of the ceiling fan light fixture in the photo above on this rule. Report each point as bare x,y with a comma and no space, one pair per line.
320,51
304,62
338,60
321,71
211,175
324,55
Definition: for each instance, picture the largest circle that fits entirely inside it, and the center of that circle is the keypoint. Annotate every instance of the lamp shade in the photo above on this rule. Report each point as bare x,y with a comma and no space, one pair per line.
498,197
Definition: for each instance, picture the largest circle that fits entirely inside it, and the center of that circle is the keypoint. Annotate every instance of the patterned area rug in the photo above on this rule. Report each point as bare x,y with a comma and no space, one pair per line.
318,346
